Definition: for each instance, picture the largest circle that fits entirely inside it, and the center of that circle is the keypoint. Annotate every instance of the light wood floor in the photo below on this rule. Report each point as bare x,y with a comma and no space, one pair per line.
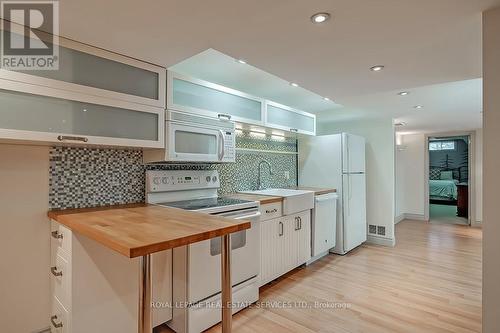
429,282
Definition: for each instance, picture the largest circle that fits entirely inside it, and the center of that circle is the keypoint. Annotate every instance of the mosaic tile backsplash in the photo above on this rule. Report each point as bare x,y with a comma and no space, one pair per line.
91,177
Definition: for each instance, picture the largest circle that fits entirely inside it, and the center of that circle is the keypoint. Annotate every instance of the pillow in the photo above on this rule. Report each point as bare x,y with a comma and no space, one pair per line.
435,174
446,175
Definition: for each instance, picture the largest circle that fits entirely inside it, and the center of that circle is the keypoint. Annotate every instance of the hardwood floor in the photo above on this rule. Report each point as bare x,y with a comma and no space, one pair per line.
429,282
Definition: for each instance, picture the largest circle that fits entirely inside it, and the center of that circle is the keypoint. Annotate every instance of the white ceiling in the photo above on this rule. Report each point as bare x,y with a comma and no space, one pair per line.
421,43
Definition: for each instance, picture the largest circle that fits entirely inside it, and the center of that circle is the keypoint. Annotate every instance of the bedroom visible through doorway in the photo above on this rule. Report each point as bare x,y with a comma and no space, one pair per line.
449,179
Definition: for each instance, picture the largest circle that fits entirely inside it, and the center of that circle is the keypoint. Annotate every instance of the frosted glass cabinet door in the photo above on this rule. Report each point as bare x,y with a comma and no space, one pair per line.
288,119
208,99
94,71
25,116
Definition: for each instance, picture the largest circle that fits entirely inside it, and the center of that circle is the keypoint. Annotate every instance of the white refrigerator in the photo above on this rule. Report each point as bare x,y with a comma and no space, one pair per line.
338,161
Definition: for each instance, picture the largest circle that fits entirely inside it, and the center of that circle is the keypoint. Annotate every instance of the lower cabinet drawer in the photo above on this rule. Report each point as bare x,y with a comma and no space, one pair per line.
270,211
59,318
60,278
60,237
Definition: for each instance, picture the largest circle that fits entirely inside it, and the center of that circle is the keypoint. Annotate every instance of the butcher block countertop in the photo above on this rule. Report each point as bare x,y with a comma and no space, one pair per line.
316,190
263,199
141,229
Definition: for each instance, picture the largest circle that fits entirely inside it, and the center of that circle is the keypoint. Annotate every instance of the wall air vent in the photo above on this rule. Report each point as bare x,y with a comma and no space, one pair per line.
380,230
372,229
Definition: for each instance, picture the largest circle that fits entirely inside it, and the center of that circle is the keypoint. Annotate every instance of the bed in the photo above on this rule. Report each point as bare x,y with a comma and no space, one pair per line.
443,185
443,189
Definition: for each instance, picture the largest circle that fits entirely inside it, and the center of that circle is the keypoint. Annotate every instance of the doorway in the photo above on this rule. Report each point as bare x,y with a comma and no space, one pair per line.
449,175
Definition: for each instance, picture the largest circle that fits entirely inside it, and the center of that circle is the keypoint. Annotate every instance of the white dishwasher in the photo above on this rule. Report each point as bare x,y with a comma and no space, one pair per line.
324,224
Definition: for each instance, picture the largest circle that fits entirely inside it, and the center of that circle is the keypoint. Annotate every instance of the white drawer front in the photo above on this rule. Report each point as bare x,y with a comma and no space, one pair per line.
60,272
60,237
59,318
270,211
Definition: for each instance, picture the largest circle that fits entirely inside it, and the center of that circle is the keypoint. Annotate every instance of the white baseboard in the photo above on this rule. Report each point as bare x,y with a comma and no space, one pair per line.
372,239
399,218
477,224
418,217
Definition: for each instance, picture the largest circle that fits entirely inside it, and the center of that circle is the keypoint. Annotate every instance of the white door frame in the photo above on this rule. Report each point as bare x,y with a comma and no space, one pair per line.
472,171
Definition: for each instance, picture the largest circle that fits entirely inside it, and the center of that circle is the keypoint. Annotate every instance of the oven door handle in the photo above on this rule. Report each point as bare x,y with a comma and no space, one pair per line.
251,216
222,145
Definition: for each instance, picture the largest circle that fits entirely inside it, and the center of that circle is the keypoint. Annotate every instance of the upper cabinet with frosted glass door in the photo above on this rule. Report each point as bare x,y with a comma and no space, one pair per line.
94,97
285,118
212,100
89,70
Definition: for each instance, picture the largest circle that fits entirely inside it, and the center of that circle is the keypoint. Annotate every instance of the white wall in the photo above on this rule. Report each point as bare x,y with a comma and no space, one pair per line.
491,167
399,188
479,175
24,238
380,144
410,166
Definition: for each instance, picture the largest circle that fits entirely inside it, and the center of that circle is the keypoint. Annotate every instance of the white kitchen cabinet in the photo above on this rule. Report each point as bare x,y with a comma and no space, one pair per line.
272,255
271,210
35,114
304,236
212,100
285,244
96,97
187,94
285,118
59,318
93,71
92,286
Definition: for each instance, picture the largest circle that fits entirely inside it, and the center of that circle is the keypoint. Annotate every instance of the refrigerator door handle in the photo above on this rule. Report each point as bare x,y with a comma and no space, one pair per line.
348,203
348,157
350,188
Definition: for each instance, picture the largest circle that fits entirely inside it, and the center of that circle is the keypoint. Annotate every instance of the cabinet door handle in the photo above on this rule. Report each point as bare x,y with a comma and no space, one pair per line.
223,115
295,130
56,235
54,271
296,223
300,223
54,323
280,229
72,138
271,211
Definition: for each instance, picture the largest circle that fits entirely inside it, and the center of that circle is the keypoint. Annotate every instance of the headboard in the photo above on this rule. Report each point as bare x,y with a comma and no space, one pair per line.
457,172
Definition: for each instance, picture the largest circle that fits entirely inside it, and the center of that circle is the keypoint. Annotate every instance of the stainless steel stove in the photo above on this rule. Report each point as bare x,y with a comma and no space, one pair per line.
196,268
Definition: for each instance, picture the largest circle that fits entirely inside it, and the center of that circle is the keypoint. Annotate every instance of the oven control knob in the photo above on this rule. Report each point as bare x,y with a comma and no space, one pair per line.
156,181
164,180
208,179
214,179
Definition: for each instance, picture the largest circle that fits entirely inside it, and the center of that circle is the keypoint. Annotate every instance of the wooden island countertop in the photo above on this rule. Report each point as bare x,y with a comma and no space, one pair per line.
140,229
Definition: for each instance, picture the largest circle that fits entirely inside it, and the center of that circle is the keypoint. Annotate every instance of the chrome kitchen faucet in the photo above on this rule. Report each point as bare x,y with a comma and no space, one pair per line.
259,184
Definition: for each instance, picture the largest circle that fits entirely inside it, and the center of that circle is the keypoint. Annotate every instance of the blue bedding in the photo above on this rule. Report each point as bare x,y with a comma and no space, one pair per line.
443,189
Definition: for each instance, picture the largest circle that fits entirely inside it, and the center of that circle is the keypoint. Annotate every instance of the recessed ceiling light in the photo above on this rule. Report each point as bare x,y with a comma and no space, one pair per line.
241,61
377,68
403,93
293,84
326,99
320,18
418,107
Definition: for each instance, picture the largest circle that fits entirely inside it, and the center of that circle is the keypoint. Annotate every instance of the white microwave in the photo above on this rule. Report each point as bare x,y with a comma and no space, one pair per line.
190,138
